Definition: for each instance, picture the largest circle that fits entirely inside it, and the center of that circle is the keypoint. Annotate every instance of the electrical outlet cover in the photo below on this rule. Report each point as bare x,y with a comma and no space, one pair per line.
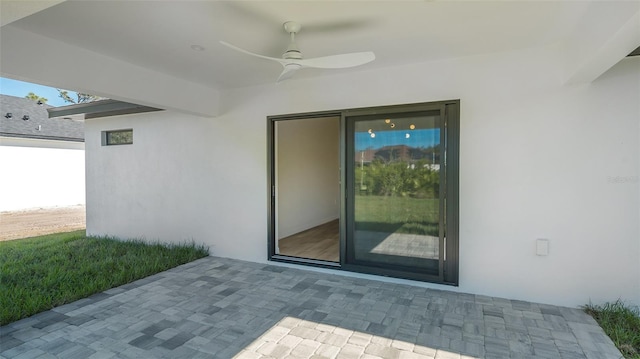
542,247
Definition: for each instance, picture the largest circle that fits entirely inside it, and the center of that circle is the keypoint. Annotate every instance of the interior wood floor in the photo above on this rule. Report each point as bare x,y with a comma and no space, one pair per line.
321,242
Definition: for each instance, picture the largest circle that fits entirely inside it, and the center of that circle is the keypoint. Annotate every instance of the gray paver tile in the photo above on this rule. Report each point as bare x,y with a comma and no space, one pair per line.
403,345
360,339
382,351
176,341
30,354
102,355
246,354
27,334
9,342
444,354
77,352
305,349
350,351
304,332
146,342
222,308
332,339
274,350
290,341
46,356
327,351
427,351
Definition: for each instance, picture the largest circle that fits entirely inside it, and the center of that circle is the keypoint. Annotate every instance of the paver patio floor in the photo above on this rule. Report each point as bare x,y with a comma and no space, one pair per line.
223,308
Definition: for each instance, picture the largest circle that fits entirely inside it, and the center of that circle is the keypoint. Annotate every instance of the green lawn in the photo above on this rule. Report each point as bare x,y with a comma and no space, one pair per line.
397,214
39,273
622,325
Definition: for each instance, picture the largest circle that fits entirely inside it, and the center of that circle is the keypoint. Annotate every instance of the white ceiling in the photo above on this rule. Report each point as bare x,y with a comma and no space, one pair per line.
11,11
158,35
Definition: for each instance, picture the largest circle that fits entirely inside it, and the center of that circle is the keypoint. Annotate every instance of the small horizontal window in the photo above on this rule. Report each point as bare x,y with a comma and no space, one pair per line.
117,137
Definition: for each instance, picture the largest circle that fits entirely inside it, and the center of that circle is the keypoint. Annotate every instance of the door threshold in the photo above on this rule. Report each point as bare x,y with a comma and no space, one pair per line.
306,261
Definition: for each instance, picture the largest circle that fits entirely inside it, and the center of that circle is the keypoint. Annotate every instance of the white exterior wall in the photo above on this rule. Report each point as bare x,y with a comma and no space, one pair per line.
538,160
41,173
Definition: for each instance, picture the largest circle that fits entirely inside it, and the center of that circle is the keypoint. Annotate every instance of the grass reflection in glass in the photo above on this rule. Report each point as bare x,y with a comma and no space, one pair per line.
397,214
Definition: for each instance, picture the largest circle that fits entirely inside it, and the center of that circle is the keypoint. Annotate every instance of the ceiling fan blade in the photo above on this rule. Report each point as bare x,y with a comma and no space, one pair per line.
339,61
284,62
288,72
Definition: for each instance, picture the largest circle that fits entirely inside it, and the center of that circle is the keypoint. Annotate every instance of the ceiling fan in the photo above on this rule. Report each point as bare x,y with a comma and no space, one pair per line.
293,61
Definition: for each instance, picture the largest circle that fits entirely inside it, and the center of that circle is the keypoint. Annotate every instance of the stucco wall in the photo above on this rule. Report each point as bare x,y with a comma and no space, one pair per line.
40,173
538,160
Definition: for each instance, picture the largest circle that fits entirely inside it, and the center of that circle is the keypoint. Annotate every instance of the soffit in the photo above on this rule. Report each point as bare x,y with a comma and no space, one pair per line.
158,35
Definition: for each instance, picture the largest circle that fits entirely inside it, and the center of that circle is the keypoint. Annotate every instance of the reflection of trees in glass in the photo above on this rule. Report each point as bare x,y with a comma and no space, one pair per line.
120,137
398,190
392,153
406,153
431,154
417,179
401,171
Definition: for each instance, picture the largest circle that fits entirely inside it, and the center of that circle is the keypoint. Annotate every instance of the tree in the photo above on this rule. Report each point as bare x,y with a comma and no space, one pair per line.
34,97
416,179
80,97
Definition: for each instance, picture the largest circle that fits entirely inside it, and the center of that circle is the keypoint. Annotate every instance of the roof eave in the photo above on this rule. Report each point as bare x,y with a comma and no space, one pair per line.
102,108
41,137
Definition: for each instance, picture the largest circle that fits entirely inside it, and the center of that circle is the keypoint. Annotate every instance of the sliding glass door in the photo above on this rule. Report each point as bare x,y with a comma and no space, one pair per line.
396,192
370,190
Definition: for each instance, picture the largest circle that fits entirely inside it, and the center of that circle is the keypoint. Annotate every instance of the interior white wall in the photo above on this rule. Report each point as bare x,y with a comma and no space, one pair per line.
40,173
539,159
308,174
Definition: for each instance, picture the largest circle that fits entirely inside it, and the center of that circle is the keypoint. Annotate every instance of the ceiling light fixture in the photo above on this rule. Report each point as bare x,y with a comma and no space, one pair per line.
25,117
412,126
8,115
197,47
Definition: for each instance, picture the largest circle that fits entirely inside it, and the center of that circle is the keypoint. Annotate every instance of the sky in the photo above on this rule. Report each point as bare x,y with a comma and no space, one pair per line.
21,89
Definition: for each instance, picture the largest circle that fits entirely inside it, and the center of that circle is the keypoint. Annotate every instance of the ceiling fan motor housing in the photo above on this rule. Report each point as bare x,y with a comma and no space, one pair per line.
292,27
293,52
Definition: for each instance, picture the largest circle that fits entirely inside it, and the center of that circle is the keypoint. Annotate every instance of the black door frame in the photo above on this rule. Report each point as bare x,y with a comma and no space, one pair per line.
271,187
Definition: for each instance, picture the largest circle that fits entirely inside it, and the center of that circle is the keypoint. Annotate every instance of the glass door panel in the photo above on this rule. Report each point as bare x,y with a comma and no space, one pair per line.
396,207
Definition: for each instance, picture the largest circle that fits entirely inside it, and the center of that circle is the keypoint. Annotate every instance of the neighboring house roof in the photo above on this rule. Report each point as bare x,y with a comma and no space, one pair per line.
38,125
396,152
